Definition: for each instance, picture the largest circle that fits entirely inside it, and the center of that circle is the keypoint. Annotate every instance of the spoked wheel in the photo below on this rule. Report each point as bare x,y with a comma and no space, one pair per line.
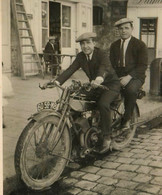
41,153
124,138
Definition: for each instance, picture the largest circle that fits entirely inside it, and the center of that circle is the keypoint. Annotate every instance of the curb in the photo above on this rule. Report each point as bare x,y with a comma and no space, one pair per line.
144,118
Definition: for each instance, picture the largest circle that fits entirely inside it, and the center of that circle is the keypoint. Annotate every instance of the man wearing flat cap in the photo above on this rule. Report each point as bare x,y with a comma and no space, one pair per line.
94,62
129,58
50,49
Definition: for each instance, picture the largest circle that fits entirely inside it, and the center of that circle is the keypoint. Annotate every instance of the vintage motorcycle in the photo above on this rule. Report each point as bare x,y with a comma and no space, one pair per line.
66,128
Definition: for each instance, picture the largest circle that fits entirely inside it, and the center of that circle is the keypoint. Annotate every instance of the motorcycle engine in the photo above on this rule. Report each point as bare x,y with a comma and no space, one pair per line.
83,123
91,137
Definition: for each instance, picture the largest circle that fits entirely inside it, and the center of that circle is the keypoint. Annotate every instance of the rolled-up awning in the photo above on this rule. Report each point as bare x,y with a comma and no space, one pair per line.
118,0
139,3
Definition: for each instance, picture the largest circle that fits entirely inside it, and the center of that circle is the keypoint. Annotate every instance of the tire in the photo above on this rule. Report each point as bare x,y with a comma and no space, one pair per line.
36,164
121,141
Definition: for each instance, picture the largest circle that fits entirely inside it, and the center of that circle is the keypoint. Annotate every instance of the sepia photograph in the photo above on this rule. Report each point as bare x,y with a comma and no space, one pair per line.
81,86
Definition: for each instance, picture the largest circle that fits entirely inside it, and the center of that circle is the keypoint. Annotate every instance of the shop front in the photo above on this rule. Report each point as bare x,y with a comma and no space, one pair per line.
147,17
65,19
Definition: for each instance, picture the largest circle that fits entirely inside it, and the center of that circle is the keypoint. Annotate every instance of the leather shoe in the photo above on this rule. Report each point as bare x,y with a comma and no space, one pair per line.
106,145
125,126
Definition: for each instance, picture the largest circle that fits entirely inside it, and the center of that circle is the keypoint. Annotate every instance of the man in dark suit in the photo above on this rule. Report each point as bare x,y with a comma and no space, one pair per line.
94,63
129,58
50,49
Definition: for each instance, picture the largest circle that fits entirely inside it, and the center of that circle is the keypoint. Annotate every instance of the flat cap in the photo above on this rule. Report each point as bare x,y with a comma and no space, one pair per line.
51,37
123,21
86,36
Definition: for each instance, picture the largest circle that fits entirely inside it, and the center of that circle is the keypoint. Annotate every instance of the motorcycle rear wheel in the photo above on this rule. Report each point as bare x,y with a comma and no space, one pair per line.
121,141
37,164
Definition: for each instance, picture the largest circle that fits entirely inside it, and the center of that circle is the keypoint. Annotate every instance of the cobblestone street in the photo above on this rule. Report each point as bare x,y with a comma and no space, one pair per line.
134,170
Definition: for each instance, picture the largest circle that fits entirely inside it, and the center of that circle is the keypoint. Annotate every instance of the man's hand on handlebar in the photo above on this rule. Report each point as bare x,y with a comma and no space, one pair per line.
45,85
97,82
56,82
50,84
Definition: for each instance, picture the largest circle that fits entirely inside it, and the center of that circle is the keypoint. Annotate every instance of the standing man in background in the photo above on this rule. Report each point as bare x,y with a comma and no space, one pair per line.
50,49
129,58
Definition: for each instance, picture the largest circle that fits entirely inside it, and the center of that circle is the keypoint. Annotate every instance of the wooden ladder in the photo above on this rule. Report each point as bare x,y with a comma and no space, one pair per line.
29,58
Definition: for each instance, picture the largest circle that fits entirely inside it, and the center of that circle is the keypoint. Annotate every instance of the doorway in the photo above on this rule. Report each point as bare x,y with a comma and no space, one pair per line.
62,25
55,23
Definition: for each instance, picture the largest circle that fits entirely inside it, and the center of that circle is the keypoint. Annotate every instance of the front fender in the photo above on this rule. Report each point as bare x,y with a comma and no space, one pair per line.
38,116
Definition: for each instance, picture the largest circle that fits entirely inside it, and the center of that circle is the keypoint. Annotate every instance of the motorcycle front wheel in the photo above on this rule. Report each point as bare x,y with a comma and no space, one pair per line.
41,153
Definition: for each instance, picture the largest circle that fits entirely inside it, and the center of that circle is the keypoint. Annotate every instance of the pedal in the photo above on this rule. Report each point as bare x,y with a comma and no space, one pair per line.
85,152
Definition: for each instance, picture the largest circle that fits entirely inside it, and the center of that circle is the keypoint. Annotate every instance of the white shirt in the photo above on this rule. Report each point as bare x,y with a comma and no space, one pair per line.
99,79
52,45
125,47
90,56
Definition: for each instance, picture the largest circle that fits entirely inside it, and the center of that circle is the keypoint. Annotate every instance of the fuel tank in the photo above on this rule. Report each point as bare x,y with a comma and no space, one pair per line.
82,104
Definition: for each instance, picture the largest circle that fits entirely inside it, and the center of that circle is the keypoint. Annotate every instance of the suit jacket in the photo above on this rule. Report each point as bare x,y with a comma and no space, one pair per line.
136,59
50,50
98,66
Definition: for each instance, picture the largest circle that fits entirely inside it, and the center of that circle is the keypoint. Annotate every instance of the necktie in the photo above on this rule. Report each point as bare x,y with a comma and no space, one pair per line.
89,65
88,58
122,64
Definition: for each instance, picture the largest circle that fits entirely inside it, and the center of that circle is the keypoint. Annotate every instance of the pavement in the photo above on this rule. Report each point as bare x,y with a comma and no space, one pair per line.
135,170
23,104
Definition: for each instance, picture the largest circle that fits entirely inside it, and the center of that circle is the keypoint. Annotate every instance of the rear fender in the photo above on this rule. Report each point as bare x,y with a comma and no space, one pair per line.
38,116
136,108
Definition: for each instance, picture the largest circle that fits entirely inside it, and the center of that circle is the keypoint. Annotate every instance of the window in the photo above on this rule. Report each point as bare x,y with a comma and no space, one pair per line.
97,15
66,26
148,32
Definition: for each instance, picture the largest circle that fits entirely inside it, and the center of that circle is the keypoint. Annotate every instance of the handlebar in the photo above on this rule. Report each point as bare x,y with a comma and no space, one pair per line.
50,84
76,85
89,86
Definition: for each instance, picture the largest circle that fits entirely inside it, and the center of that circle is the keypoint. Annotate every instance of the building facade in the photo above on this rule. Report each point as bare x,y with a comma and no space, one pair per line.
66,19
6,34
147,17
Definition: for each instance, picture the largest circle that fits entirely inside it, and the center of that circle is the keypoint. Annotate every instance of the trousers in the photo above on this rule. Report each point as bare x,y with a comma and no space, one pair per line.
103,103
130,96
